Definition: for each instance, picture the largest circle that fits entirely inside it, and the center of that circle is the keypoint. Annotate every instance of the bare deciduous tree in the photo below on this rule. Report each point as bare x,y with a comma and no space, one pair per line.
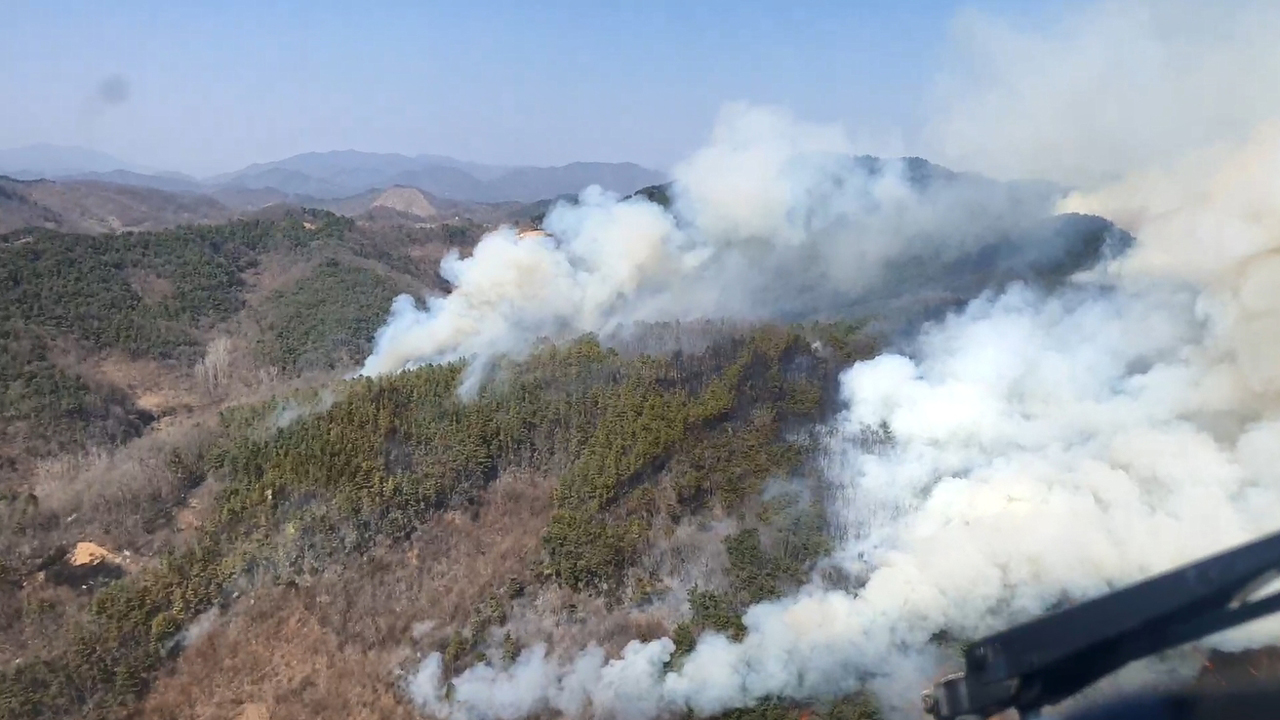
213,369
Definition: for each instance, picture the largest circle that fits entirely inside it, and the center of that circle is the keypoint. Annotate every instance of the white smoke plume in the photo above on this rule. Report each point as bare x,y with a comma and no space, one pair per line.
1214,221
1113,87
773,218
1047,447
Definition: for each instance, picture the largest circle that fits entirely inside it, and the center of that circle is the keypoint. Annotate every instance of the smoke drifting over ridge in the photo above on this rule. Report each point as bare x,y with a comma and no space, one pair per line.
1214,220
1115,87
773,219
1047,445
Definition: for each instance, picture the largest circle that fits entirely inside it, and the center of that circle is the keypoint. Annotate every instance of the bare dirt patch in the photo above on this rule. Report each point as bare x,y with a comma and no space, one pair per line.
407,200
254,711
87,553
161,388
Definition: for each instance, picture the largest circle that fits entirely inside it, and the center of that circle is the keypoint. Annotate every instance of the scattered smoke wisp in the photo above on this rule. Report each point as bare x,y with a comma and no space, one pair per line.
1045,445
113,90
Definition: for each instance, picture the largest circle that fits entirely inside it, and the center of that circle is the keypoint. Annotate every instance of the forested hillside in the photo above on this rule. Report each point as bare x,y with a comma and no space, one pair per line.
202,510
174,401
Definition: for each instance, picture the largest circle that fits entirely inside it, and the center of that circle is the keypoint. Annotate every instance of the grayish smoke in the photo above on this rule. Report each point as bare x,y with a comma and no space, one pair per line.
1044,450
773,219
290,410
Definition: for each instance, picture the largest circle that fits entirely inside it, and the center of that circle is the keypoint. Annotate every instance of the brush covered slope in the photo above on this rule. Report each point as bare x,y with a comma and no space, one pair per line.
100,206
106,336
642,446
282,528
172,395
178,398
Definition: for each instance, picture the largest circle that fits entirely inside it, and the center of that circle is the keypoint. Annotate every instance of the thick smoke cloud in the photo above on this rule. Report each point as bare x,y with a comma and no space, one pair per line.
773,219
1213,220
1042,446
1114,87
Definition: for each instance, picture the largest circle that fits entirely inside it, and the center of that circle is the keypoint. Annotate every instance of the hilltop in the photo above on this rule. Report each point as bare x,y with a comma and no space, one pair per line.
47,159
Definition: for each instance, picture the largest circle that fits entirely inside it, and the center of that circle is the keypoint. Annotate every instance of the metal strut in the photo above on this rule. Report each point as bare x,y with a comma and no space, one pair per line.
1047,660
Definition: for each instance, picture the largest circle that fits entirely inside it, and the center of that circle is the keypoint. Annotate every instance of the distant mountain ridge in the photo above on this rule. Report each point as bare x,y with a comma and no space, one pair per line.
342,173
339,174
95,204
108,201
34,162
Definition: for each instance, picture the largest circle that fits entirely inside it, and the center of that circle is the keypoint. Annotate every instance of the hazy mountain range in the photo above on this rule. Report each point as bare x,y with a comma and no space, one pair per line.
97,206
377,189
336,174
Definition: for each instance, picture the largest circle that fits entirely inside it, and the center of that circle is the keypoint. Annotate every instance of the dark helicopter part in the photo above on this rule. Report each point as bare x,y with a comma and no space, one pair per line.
1051,658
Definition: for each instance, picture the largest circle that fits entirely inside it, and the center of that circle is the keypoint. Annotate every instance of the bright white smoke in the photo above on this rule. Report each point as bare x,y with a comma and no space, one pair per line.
1046,447
774,217
1115,86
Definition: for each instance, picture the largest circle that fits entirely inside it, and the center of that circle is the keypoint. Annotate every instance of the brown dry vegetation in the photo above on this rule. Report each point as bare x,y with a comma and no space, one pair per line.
338,644
273,272
333,647
408,522
161,388
124,498
150,286
272,651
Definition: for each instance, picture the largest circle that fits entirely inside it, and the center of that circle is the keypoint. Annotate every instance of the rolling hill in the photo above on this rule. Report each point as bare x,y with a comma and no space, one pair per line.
163,387
45,161
169,182
92,206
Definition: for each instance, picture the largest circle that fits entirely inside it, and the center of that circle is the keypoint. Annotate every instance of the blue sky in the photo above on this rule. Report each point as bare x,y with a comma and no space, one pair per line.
215,85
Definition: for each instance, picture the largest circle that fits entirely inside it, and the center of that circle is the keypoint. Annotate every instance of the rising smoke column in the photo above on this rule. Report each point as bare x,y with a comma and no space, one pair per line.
773,218
1046,447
